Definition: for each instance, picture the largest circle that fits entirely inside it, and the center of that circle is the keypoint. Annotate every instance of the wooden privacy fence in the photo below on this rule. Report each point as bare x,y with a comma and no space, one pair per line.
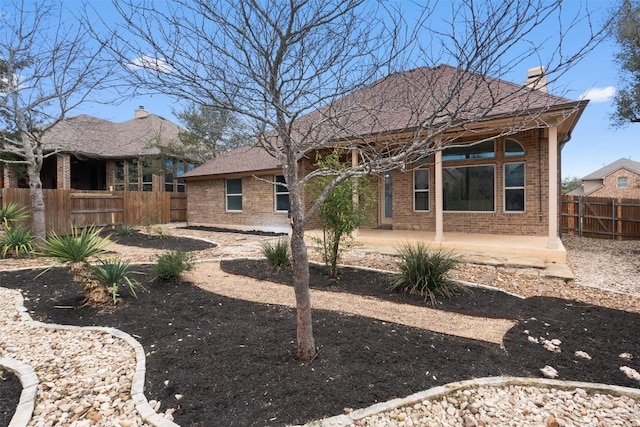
64,208
602,218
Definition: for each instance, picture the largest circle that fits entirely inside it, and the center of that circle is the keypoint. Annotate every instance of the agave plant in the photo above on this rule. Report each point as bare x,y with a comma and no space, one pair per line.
113,274
16,241
12,213
76,250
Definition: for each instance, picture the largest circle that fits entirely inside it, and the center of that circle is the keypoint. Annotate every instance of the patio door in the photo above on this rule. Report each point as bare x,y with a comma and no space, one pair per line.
386,199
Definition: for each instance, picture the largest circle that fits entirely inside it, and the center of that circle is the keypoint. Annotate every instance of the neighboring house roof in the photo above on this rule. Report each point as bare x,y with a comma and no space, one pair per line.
398,103
576,192
241,159
87,136
613,167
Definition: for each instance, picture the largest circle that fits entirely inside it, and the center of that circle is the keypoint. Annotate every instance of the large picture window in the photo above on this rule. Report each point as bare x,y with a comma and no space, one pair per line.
421,190
469,188
282,194
234,194
514,187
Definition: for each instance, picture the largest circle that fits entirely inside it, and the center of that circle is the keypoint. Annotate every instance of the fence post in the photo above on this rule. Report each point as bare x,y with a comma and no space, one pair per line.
613,219
580,215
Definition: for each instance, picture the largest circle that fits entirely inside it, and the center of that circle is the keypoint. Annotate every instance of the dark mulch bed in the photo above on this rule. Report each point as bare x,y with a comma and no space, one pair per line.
229,230
155,241
10,389
234,360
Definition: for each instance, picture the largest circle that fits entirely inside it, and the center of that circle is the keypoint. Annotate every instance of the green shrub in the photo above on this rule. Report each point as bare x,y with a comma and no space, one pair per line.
423,272
124,231
277,253
113,274
17,242
169,266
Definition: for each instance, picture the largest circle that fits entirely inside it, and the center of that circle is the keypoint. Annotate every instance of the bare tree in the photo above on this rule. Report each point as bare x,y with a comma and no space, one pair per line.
314,74
49,67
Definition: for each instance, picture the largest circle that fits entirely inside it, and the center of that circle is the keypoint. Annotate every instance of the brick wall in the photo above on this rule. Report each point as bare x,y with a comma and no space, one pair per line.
610,188
533,221
63,171
207,205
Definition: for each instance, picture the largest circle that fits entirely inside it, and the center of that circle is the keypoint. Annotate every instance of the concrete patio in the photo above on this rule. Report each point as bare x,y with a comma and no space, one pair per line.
491,249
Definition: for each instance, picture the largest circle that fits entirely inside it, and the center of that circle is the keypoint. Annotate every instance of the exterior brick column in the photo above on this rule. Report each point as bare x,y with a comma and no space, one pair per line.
63,171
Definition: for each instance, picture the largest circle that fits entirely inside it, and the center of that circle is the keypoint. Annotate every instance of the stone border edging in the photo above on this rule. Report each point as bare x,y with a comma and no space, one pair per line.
29,381
142,406
345,420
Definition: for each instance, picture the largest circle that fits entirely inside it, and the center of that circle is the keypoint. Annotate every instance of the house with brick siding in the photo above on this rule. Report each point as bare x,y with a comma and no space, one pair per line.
620,179
507,184
88,153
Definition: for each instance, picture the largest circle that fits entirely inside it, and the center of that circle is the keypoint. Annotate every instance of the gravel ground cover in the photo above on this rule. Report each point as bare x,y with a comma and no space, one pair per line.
246,348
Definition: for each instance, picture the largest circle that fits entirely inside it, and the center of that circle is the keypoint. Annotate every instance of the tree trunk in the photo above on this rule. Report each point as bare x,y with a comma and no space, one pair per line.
37,203
306,345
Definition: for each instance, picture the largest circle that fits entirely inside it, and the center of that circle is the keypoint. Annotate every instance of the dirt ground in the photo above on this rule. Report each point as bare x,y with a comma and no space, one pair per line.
232,358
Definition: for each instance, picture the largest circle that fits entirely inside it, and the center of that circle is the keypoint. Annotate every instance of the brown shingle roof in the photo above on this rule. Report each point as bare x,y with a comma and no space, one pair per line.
612,167
241,159
88,136
399,102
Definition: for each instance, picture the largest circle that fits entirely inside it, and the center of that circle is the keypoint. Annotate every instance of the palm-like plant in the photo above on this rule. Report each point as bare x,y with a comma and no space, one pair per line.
113,274
75,250
17,242
12,213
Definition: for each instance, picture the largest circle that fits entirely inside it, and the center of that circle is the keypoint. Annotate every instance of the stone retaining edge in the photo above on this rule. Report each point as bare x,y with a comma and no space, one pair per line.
345,420
145,410
29,381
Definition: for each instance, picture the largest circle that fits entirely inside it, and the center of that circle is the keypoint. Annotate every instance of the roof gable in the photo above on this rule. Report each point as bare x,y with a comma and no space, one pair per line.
607,170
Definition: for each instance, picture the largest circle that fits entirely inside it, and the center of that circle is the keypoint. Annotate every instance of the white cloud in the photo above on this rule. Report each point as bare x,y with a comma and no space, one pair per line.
146,62
599,94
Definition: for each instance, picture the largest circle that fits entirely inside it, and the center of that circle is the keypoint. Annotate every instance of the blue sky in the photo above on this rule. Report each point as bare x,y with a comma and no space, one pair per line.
594,142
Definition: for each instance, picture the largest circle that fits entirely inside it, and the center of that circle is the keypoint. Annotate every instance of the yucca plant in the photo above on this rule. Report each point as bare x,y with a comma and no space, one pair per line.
113,274
424,272
277,254
171,265
17,242
124,231
75,250
12,213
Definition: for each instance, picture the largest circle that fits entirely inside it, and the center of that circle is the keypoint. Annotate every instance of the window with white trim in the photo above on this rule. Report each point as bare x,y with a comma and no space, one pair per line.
233,189
623,182
469,188
421,190
281,194
514,183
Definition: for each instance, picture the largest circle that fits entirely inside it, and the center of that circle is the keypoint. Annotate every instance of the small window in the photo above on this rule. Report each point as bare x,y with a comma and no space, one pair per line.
234,194
118,178
421,190
481,150
282,194
147,182
512,148
132,168
623,182
514,187
168,183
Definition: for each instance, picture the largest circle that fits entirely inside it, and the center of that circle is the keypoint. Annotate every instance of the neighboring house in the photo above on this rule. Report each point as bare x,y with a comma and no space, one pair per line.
620,179
96,154
506,185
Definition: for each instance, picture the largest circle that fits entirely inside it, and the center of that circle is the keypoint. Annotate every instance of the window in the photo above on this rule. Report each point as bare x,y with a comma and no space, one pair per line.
623,182
482,150
132,168
514,187
147,182
282,194
421,190
234,194
469,188
118,179
512,148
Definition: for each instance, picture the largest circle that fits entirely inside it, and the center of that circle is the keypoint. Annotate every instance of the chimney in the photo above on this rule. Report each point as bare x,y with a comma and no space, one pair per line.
536,78
140,113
